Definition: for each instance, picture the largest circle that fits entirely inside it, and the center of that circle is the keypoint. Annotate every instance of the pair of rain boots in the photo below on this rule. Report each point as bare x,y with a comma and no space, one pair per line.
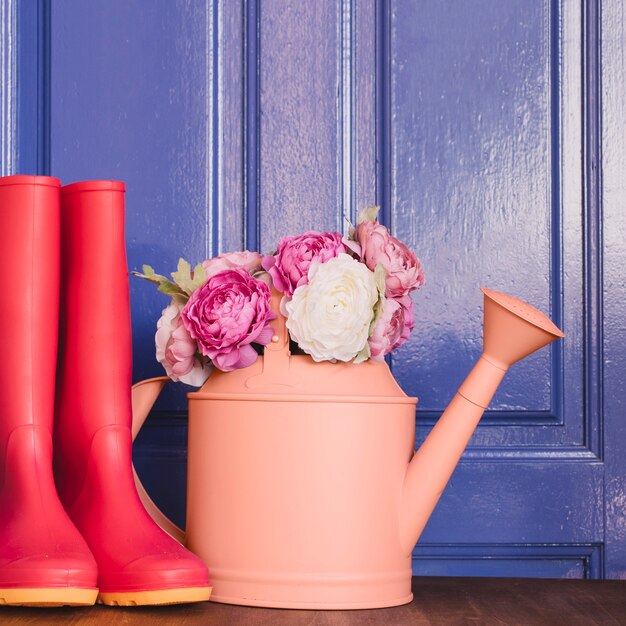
86,538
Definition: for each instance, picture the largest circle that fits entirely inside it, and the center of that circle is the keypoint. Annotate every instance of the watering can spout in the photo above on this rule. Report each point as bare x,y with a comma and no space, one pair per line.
512,330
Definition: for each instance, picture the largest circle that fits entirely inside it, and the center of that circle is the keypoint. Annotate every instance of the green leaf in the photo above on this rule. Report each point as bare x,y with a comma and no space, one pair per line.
187,280
351,229
170,289
180,299
370,214
165,285
182,276
150,275
380,276
264,276
364,354
199,276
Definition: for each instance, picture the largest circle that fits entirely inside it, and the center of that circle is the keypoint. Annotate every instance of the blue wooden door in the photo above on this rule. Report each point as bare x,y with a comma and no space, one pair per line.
492,135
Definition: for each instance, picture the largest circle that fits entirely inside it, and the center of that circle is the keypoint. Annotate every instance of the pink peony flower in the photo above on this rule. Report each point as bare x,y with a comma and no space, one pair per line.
176,350
289,267
249,261
392,328
229,312
403,268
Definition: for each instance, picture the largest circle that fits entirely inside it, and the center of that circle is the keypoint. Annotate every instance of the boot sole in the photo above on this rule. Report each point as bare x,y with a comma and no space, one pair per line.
157,597
48,596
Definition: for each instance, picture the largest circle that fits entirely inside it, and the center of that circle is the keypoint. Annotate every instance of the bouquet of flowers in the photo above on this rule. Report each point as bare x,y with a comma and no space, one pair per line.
344,299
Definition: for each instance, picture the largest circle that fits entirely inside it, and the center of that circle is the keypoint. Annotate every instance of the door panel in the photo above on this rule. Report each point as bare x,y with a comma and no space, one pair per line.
129,97
485,182
298,131
473,137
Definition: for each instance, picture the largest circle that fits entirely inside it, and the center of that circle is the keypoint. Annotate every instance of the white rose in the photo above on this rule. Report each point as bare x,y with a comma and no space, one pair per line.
330,316
176,350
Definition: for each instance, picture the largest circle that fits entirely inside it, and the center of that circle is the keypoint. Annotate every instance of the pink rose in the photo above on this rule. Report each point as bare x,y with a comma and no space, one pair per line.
289,267
403,268
392,328
229,312
177,351
249,261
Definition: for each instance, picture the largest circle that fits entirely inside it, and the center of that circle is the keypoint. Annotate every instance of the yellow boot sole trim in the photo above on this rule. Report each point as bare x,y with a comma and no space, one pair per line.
157,597
48,596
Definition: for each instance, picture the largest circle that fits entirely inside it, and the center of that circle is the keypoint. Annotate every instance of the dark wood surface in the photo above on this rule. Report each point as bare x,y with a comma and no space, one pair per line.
437,601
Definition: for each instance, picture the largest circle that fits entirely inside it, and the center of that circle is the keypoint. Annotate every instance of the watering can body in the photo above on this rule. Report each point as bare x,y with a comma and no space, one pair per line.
294,500
303,488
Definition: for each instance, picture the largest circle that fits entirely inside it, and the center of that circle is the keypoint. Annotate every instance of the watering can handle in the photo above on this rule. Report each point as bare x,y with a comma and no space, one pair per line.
144,394
276,364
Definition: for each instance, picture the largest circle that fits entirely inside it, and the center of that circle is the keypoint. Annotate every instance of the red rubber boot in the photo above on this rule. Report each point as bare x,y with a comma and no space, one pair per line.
138,563
43,559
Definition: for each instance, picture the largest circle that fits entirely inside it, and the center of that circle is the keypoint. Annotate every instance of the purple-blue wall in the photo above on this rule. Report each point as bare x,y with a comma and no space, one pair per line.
492,135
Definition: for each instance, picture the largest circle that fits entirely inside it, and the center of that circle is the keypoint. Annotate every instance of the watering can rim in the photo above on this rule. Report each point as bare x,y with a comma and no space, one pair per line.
524,311
285,397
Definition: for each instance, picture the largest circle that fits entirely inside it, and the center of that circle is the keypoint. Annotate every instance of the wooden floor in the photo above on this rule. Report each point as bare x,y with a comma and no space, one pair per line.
438,601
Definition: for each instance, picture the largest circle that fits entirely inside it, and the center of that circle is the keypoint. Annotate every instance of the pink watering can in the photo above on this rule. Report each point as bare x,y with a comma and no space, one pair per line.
303,487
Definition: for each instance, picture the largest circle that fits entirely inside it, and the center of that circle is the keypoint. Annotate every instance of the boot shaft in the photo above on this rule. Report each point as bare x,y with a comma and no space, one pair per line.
95,346
29,300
